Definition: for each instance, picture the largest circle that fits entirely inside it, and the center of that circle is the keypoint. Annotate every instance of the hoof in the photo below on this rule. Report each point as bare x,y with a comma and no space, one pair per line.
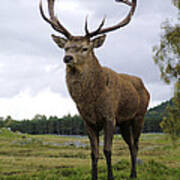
133,176
111,178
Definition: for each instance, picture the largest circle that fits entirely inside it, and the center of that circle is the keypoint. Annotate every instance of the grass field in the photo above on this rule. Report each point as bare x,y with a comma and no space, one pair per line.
48,157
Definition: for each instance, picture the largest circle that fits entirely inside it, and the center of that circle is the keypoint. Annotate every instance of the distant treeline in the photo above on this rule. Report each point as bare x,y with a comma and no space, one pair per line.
74,125
40,124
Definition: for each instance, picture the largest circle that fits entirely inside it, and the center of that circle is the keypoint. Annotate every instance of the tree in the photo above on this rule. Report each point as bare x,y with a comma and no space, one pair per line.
171,123
176,3
1,122
8,121
167,57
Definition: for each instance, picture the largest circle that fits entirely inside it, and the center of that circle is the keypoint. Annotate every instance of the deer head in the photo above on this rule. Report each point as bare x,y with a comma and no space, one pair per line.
79,48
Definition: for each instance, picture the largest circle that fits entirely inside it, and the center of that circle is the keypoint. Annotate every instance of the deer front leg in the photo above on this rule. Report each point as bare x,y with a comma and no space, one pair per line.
94,141
108,138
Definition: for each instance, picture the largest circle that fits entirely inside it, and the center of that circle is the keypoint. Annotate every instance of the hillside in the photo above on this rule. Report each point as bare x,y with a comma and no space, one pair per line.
160,108
154,116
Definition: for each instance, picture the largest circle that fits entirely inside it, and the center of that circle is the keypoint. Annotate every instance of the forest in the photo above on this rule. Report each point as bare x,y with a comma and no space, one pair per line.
74,125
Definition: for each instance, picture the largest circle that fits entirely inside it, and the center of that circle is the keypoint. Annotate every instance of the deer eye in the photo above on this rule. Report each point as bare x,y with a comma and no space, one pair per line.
84,49
67,48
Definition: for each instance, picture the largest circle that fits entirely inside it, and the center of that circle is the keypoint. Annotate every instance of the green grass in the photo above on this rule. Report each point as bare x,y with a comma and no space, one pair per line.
48,157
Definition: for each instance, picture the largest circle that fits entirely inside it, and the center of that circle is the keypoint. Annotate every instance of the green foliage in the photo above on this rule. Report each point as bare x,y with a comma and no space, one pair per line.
2,122
177,3
167,54
171,122
6,132
154,117
167,57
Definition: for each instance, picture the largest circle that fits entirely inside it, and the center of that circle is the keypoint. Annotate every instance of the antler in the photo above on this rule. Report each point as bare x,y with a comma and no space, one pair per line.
53,21
124,22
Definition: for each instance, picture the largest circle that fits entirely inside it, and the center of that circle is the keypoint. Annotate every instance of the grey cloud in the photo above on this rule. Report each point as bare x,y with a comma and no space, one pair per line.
26,48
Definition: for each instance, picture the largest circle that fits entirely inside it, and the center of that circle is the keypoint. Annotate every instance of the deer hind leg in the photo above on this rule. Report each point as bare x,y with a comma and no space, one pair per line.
94,141
127,134
108,138
138,124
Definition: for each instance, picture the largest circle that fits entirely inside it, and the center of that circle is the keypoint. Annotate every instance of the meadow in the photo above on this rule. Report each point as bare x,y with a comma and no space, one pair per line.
50,157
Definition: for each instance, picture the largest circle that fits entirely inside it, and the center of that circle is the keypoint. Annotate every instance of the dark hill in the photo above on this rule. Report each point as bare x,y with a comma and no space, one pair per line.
154,117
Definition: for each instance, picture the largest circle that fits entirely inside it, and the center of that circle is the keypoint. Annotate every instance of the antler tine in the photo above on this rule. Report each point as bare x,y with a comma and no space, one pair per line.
125,1
42,13
55,19
56,25
97,30
86,26
51,9
124,22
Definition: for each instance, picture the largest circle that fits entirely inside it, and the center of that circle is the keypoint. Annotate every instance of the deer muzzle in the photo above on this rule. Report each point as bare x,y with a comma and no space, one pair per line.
68,59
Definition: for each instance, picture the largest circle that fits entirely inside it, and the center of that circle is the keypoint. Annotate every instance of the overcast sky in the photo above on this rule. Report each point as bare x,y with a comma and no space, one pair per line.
32,73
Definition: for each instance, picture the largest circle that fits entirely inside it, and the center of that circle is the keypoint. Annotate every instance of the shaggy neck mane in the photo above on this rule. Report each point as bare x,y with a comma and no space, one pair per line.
87,83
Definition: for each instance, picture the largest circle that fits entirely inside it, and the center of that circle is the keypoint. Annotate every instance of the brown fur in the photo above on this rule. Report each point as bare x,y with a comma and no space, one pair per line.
105,99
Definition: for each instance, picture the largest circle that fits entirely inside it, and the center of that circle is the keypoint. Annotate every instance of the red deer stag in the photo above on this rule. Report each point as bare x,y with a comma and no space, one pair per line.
104,98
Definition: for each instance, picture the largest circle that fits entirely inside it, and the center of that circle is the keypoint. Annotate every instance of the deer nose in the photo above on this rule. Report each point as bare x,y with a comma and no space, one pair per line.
68,59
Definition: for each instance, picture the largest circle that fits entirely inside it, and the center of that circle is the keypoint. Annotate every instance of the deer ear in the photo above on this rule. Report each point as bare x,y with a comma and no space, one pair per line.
98,42
59,41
